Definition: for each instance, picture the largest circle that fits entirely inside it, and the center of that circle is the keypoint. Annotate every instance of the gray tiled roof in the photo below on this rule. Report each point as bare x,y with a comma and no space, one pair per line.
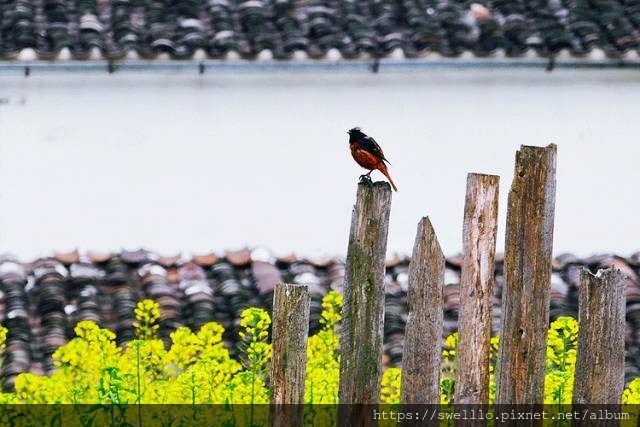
114,28
40,302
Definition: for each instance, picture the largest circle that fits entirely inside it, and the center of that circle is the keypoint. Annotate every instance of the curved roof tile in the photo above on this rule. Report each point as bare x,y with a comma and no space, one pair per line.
179,28
41,301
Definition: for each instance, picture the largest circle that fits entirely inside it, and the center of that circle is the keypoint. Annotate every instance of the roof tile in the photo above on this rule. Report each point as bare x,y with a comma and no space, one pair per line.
42,301
364,27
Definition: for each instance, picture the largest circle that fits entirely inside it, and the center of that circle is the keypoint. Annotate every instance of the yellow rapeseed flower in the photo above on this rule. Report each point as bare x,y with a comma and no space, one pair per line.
391,380
147,314
3,337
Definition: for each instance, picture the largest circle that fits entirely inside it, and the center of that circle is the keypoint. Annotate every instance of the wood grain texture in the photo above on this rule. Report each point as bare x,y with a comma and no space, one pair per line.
600,360
421,357
289,333
480,227
527,265
363,310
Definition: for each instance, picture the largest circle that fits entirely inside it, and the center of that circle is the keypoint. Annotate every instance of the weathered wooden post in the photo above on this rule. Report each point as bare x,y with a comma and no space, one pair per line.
599,377
289,354
363,309
527,266
421,357
480,227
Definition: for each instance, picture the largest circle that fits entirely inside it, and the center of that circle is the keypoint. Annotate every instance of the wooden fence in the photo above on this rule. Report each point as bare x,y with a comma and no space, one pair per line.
525,305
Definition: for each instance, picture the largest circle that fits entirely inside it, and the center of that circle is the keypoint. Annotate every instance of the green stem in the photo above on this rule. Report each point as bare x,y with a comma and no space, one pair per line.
139,388
193,388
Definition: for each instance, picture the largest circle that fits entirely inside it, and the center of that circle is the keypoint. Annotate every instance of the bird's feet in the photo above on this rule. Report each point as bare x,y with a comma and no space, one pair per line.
366,178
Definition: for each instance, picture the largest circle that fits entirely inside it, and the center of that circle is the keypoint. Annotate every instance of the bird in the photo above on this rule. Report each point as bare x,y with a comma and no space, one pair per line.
368,154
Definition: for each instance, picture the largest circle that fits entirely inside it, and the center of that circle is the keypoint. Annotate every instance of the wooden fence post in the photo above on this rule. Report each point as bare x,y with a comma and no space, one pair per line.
527,267
363,310
289,355
480,226
422,353
599,377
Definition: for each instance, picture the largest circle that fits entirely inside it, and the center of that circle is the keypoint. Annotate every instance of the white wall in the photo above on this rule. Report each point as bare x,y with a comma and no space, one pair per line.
193,163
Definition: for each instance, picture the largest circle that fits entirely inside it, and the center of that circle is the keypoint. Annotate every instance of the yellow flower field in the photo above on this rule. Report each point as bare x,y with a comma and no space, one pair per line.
197,369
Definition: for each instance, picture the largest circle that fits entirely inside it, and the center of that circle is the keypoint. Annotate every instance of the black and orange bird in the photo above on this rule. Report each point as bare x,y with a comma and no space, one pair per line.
368,154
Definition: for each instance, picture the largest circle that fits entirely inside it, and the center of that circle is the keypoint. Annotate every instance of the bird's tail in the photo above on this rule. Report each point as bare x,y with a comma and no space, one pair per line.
383,168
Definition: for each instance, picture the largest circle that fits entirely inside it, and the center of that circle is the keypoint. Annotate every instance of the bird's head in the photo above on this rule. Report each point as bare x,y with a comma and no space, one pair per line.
355,133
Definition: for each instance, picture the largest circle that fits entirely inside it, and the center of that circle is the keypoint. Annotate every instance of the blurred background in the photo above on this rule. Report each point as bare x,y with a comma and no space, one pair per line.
174,161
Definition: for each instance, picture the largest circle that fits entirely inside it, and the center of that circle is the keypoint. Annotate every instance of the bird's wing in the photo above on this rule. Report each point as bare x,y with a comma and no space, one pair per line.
370,144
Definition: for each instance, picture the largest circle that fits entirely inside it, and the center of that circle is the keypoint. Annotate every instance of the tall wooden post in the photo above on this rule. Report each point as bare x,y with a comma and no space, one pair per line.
480,227
422,353
599,377
289,354
527,267
363,310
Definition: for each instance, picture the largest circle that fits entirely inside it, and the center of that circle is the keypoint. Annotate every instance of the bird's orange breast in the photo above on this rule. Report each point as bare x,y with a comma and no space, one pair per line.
364,158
